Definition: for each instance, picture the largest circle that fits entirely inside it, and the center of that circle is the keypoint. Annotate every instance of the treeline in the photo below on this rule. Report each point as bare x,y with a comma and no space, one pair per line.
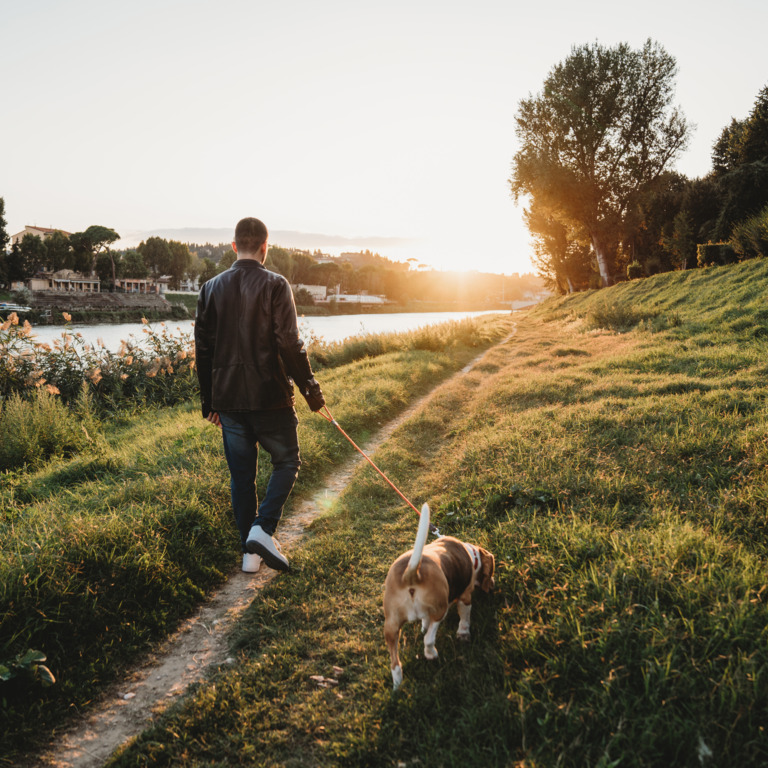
594,167
90,252
365,272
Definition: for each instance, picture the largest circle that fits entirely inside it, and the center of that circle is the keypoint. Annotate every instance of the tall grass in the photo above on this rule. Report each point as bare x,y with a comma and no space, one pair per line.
620,479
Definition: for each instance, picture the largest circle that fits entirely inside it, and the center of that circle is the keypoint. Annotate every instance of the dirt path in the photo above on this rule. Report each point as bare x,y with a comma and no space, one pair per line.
201,642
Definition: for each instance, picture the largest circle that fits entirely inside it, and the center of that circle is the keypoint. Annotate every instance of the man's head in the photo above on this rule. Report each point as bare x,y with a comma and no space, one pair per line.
251,239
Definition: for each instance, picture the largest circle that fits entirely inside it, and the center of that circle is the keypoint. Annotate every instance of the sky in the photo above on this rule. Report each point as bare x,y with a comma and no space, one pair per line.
390,123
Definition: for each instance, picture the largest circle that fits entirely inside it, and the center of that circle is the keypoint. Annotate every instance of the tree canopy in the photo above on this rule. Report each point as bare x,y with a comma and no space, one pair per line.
601,130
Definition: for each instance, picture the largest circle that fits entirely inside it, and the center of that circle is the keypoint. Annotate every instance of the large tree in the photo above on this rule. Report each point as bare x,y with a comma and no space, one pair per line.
602,128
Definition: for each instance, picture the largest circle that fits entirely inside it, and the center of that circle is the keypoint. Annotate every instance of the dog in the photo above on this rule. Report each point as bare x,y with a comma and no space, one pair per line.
423,583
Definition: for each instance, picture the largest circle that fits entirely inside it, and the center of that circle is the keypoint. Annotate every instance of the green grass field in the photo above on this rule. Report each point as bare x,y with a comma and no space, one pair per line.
111,542
612,455
620,479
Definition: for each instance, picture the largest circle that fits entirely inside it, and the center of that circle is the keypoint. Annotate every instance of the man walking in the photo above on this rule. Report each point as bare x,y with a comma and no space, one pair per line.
247,346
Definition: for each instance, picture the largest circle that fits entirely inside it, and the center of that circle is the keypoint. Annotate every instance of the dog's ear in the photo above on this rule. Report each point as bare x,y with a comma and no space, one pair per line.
489,565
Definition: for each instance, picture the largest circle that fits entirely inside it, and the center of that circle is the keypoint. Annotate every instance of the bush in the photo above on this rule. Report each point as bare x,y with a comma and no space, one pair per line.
158,371
750,237
711,254
32,430
634,270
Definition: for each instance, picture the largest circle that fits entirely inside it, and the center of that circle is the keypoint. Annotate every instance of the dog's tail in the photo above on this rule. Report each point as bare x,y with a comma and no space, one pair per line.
418,547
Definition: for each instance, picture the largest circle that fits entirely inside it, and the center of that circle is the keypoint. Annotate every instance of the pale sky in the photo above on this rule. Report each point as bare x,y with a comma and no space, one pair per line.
342,117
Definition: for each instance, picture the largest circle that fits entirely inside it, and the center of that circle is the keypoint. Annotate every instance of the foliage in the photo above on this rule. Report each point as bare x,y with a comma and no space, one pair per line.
602,128
634,270
158,369
4,236
715,253
34,429
750,237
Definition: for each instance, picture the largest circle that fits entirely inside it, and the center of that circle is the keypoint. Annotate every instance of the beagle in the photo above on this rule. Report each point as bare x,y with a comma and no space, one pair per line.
422,584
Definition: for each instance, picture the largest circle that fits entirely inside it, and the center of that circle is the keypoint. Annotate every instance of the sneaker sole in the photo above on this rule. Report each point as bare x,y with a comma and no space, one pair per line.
255,548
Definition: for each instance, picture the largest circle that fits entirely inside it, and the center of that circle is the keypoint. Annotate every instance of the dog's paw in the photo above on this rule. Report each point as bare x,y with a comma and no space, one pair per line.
397,677
430,652
463,634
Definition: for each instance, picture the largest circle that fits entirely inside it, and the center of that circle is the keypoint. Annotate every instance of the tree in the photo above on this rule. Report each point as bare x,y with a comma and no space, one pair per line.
87,245
561,258
156,255
602,128
58,251
33,255
133,265
180,262
208,270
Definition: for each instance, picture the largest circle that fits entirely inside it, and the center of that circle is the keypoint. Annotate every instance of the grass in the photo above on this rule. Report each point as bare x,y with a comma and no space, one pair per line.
105,551
620,479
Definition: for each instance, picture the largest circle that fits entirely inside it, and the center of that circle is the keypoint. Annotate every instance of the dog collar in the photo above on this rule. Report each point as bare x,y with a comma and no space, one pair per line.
474,556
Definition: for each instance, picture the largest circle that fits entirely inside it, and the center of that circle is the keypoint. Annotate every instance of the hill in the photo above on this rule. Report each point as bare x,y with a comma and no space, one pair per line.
612,454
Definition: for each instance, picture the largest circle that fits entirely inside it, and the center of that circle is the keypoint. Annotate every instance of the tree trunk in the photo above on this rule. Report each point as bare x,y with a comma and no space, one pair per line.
603,260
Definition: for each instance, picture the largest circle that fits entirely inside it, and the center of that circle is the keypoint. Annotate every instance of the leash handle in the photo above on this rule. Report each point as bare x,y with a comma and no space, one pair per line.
328,416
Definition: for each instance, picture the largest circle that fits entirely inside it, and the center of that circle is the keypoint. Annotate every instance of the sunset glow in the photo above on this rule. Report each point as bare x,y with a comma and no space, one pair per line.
346,119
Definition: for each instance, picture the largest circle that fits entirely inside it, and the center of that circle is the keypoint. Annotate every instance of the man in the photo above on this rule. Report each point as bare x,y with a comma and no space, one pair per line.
247,345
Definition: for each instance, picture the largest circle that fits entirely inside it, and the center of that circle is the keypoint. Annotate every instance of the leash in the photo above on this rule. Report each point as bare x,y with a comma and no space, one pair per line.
329,418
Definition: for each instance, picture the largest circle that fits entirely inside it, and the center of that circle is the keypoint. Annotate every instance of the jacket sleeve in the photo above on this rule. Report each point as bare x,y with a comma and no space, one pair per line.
204,342
289,344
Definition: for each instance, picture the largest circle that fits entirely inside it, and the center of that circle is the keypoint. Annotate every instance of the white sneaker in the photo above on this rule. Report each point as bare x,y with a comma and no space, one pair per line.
251,563
259,542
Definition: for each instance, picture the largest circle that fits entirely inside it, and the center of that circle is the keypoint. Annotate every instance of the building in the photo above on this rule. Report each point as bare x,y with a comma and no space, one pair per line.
65,280
41,232
317,292
136,285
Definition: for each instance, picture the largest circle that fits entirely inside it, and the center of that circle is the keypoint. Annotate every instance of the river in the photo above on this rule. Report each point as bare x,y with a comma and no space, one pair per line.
329,328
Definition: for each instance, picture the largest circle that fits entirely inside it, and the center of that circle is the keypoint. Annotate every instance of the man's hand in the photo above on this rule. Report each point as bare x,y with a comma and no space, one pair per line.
213,417
314,395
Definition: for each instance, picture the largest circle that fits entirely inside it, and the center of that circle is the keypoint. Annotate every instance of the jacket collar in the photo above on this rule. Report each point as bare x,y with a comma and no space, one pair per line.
247,264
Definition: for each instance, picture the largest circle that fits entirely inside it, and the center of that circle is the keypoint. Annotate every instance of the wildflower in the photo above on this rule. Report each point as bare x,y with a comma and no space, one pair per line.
100,342
129,360
154,368
14,318
94,375
123,376
67,316
181,355
144,321
52,389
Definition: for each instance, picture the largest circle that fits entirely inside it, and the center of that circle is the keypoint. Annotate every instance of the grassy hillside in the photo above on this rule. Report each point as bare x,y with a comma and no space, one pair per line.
110,540
620,478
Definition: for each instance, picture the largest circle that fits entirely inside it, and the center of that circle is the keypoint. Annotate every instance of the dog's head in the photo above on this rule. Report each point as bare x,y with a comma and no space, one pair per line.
485,578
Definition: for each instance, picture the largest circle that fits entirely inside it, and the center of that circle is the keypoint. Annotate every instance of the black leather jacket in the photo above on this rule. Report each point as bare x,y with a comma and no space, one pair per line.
247,342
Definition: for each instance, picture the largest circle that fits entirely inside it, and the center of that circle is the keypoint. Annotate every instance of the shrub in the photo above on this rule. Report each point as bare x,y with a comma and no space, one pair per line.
159,370
711,254
34,429
634,270
750,237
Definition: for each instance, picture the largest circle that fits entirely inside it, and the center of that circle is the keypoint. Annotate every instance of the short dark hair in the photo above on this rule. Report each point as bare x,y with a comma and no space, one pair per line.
250,235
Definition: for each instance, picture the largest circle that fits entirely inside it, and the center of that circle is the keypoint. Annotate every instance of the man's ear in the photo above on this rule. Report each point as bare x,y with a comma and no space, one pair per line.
234,247
263,251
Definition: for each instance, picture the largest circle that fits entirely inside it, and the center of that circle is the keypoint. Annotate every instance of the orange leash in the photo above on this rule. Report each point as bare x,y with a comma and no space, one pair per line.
329,418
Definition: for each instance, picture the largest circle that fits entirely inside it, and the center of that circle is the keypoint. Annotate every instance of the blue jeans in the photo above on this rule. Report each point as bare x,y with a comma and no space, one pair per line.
243,432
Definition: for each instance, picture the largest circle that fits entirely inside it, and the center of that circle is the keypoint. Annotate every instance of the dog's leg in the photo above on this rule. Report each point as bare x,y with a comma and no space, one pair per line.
392,636
430,651
464,610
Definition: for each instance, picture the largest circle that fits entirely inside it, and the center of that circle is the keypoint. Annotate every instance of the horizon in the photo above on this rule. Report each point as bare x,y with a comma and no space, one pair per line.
391,125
